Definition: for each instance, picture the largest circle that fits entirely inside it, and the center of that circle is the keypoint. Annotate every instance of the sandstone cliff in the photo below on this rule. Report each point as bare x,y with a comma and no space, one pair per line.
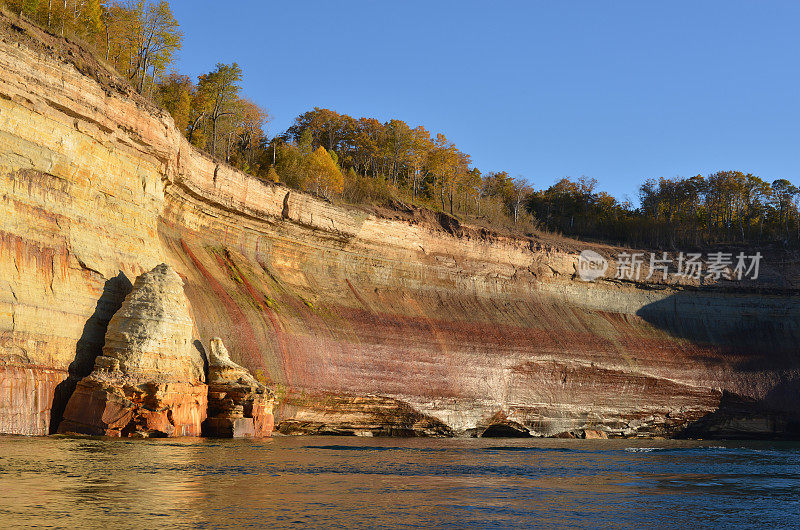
326,302
149,379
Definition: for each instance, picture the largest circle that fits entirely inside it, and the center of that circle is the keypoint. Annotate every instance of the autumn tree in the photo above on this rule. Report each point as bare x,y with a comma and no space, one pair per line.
220,91
154,35
784,194
398,143
325,177
421,145
29,7
519,190
272,175
176,94
326,127
471,188
92,18
249,129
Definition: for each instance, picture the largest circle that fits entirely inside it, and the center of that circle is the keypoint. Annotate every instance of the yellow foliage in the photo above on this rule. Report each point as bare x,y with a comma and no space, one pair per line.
325,177
272,175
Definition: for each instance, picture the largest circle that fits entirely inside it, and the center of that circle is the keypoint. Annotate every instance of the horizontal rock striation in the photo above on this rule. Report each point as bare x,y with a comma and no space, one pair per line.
416,315
147,382
341,415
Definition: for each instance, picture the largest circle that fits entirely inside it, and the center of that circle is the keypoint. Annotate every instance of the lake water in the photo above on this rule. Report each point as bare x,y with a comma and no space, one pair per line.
386,483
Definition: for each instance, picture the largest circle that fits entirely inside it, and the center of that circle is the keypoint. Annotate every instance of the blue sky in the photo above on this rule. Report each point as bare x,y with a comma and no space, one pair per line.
619,91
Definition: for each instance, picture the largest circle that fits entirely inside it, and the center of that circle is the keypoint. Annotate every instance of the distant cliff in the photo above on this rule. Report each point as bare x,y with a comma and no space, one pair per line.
354,319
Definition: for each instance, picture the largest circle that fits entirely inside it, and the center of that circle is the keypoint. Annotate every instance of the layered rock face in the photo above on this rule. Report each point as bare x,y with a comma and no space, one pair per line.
238,405
340,415
389,316
149,380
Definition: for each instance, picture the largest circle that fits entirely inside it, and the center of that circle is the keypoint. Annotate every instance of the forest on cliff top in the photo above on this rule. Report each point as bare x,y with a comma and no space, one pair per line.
361,160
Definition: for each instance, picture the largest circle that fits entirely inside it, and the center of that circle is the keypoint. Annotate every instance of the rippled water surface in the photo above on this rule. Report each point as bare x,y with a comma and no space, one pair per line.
373,483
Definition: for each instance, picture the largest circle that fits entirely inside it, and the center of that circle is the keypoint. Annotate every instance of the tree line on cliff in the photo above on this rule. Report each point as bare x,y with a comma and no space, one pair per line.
388,160
140,39
722,207
363,160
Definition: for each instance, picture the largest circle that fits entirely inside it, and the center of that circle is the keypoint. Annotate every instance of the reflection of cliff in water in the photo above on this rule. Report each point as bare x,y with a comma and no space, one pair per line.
379,482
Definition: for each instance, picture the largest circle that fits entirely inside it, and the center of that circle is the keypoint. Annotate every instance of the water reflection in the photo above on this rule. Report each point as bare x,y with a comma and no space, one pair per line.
325,482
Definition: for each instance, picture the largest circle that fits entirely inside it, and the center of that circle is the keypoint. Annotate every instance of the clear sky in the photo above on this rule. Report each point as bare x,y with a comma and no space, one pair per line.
619,91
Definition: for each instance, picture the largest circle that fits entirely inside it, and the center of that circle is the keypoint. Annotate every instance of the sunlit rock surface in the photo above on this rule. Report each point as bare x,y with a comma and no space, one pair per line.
334,303
149,379
238,405
356,416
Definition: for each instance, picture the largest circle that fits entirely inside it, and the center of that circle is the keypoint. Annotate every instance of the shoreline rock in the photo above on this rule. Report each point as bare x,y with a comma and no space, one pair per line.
506,429
370,416
238,405
453,321
146,383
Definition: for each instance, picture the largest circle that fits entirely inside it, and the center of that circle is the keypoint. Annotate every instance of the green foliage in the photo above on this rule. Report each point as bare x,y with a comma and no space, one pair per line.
363,160
272,175
29,7
220,92
291,166
723,207
364,189
176,94
139,37
385,160
315,171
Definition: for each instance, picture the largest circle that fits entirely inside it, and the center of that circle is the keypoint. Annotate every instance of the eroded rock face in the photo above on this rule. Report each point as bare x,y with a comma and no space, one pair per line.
506,429
356,416
238,405
500,425
452,321
148,381
585,434
26,395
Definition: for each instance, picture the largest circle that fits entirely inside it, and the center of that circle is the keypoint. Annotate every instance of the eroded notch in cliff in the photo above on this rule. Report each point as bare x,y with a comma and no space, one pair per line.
285,211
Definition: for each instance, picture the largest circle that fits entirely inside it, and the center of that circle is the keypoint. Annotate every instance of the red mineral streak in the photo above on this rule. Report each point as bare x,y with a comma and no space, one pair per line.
26,393
396,318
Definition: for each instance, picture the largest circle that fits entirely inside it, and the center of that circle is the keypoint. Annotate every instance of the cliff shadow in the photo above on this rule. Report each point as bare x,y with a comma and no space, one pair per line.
90,345
201,356
755,337
760,332
744,418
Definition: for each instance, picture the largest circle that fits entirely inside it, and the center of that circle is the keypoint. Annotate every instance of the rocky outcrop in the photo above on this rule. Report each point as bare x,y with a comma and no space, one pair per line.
337,304
356,416
506,429
500,425
238,405
586,434
743,418
149,380
593,434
